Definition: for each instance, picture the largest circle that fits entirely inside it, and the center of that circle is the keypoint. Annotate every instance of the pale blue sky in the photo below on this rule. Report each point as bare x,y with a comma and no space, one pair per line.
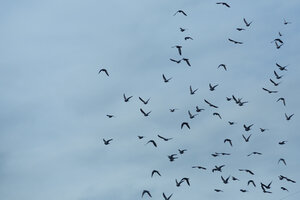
54,103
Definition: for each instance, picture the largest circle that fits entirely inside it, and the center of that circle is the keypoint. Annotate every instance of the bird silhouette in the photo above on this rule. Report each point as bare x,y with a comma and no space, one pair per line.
180,11
192,91
225,181
191,116
126,99
246,139
222,65
281,68
281,177
281,160
165,79
176,61
217,114
277,40
234,178
103,70
181,151
234,41
263,129
288,117
167,198
188,38
255,153
286,22
199,167
243,190
231,123
278,45
155,172
247,24
252,182
199,109
224,3
173,109
163,138
211,87
228,140
282,142
281,99
107,142
153,142
211,105
144,113
187,61
182,29
110,116
269,91
218,168
218,190
283,188
274,83
248,128
172,157
247,170
178,48
240,29
185,124
146,192
277,76
140,137
144,102
185,179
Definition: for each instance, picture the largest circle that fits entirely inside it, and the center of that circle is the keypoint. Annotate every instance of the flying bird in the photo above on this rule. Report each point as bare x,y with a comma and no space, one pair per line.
217,114
274,83
173,109
140,137
181,151
222,65
286,22
228,140
188,38
172,157
144,113
199,167
278,45
283,188
243,190
246,139
163,138
153,142
155,171
187,61
225,181
281,99
185,124
126,99
103,70
286,178
282,142
146,192
247,24
165,79
269,91
167,198
248,128
234,41
107,142
263,129
192,91
282,160
211,105
144,102
212,87
218,190
224,3
176,61
218,168
251,181
199,109
192,116
178,48
288,117
110,116
231,123
254,152
185,180
182,29
281,68
234,178
247,170
180,11
277,76
240,29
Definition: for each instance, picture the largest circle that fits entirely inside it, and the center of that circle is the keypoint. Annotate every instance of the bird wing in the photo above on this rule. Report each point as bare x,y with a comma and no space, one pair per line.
143,111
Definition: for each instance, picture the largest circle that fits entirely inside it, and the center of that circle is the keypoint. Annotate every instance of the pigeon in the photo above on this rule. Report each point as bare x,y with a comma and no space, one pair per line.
288,117
163,138
167,198
103,70
188,38
172,157
181,151
192,91
277,76
153,142
180,11
144,102
222,65
248,128
251,181
126,99
225,181
246,139
211,105
155,171
247,24
199,167
281,99
269,91
144,113
107,142
217,114
146,192
234,41
211,87
187,61
178,48
110,116
228,140
165,79
282,160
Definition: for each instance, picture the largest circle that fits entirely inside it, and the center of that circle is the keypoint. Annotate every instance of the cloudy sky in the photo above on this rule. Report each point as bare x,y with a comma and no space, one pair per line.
54,103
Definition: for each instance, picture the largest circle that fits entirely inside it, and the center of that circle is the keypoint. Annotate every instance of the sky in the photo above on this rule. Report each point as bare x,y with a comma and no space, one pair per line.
54,102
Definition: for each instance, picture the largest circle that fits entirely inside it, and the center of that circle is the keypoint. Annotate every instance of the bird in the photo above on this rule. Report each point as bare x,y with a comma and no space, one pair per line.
234,178
246,139
247,24
107,142
270,91
282,160
153,142
218,190
126,99
288,117
234,41
240,29
103,70
278,45
247,170
277,40
286,178
179,48
255,152
211,105
228,140
263,129
191,116
251,181
185,124
277,76
182,29
274,83
282,142
222,65
110,116
188,38
281,68
218,168
181,151
199,167
167,198
243,190
163,138
146,192
266,186
225,181
212,88
283,188
187,61
155,171
286,22
178,183
224,3
165,79
173,109
144,102
248,128
281,99
199,109
176,61
231,123
180,11
279,34
192,91
242,103
172,157
185,179
217,114
140,137
144,113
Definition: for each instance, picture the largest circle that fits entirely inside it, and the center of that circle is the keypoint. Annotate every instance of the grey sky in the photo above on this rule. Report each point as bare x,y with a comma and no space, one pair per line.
54,103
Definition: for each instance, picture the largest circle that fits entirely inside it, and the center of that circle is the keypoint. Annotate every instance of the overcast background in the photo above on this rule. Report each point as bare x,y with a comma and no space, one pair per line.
54,103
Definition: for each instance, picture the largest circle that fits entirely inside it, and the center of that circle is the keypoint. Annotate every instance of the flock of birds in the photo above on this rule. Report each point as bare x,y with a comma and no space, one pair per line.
251,182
